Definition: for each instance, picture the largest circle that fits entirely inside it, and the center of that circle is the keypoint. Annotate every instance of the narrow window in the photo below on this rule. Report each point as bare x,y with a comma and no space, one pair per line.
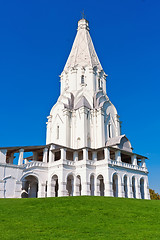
99,83
109,130
57,132
82,79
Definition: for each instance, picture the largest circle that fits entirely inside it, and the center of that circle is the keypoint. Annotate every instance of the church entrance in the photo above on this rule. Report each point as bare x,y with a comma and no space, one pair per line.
30,187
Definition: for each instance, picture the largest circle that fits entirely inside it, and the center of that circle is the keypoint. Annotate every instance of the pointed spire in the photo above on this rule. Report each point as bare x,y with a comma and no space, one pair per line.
82,53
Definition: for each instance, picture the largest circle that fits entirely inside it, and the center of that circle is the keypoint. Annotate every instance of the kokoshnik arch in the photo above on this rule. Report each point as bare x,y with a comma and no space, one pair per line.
85,153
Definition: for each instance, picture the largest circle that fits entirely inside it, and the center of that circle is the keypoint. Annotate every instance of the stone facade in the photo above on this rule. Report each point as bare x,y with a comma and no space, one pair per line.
85,153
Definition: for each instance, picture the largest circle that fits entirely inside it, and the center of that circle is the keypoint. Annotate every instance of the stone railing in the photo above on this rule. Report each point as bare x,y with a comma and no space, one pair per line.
34,164
127,165
88,162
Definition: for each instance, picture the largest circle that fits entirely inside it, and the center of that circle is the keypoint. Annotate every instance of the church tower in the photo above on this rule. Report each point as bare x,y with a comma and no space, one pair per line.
83,115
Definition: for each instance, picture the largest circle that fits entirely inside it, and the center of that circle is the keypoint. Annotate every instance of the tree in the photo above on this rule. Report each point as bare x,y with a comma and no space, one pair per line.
153,195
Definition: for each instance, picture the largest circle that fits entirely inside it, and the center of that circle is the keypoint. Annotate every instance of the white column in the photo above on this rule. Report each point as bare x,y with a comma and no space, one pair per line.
137,188
75,187
129,187
41,190
18,189
62,189
97,187
2,188
49,186
146,189
94,156
134,160
75,156
3,153
66,131
25,161
119,187
85,188
45,155
106,153
100,128
85,154
51,156
118,156
20,160
63,153
83,126
107,191
143,162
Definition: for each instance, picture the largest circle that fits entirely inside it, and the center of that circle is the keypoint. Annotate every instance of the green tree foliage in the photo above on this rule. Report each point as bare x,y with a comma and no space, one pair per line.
153,195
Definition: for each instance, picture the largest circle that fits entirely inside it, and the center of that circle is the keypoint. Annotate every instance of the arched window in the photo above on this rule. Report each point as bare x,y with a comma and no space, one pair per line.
82,79
115,185
57,132
142,188
133,187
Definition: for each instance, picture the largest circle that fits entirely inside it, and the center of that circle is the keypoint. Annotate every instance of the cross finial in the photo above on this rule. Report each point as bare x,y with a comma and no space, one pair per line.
83,16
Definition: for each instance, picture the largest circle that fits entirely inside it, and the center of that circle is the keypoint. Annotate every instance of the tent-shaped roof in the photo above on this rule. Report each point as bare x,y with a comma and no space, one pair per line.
82,53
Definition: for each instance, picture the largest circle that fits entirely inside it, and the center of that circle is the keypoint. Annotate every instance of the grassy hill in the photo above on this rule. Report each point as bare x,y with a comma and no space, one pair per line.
79,218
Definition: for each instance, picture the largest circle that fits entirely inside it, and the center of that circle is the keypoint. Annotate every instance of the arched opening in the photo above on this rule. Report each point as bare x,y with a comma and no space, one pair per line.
69,185
125,187
100,183
142,188
92,185
54,186
115,185
133,187
30,187
79,186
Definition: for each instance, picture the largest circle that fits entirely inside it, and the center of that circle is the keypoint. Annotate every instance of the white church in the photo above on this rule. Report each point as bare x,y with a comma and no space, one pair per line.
85,153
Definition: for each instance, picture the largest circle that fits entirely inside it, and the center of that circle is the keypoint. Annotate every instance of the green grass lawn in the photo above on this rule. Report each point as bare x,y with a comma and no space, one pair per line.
79,218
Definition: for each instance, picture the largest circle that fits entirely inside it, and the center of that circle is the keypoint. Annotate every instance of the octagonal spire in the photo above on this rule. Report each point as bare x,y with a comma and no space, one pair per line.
82,53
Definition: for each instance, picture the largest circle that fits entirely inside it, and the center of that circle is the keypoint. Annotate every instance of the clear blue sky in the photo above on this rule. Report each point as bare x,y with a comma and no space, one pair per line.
35,41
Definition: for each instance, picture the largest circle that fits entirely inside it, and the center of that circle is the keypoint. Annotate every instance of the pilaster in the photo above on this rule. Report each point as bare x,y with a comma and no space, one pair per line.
118,156
18,189
45,155
134,160
41,190
20,160
75,156
2,189
3,153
